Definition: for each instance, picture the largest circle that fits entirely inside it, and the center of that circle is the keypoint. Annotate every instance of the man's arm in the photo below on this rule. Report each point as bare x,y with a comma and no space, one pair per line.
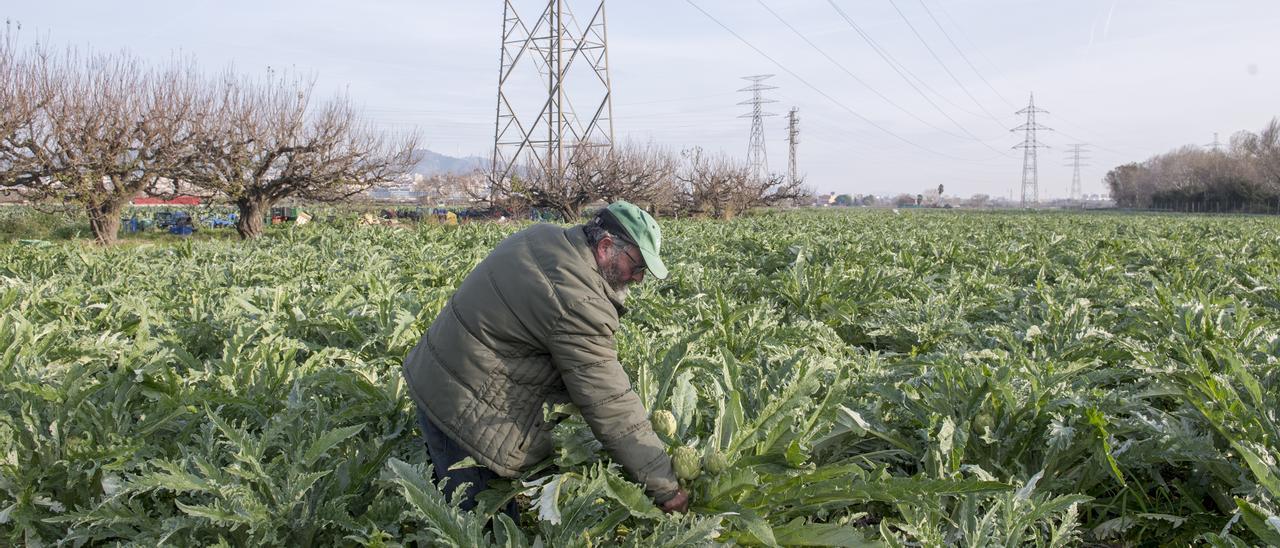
584,352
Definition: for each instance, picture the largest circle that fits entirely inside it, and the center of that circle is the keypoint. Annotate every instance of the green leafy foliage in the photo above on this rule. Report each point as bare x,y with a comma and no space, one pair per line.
847,379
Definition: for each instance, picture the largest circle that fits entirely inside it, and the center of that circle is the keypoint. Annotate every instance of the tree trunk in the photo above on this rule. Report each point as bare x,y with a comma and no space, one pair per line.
104,221
567,213
249,225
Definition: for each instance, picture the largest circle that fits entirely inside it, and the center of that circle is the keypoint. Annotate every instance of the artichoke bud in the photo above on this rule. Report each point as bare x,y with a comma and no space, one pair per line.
715,462
983,422
687,463
664,424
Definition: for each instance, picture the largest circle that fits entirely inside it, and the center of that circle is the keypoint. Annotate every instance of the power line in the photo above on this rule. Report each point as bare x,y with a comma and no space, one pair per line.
942,63
907,75
855,77
674,99
903,72
1061,122
819,91
960,30
925,5
893,62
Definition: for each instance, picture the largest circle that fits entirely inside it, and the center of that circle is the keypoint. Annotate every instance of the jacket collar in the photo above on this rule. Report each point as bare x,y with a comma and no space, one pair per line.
578,238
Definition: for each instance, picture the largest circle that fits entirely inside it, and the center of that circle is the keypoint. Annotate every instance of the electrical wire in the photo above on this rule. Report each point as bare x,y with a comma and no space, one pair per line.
942,63
925,5
835,101
903,73
855,77
1060,121
896,65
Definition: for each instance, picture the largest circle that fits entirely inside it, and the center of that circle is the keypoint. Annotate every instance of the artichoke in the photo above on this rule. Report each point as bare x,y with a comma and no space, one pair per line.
687,463
983,422
664,423
715,462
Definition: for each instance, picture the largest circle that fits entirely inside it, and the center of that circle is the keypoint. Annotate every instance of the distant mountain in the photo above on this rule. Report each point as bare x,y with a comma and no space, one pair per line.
434,163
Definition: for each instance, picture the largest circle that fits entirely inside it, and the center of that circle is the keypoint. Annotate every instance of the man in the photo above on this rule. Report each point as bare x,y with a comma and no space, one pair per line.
533,324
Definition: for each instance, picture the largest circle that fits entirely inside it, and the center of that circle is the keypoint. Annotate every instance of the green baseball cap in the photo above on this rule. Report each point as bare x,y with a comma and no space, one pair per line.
642,230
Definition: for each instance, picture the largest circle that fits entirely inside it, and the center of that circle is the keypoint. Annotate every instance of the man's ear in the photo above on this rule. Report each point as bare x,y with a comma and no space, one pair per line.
602,248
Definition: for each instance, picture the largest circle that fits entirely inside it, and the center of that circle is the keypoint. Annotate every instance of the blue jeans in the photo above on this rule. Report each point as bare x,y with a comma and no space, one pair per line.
445,452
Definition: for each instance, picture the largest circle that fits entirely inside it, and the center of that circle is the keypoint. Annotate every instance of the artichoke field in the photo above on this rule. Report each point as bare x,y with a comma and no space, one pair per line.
822,379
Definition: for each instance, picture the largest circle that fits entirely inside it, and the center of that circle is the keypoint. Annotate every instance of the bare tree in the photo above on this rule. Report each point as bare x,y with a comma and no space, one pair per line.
450,187
725,188
567,193
98,130
1123,182
1190,178
19,104
711,182
262,142
1262,151
777,189
641,174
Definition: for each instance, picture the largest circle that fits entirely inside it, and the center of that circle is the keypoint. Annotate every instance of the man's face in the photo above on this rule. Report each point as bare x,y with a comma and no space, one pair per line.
621,265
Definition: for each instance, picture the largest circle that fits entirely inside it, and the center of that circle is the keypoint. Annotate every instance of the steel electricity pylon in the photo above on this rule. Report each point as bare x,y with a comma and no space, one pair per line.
1029,144
550,66
1216,145
793,138
1077,157
756,155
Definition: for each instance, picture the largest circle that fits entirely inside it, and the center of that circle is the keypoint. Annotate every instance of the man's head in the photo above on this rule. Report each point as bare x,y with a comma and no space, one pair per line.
625,242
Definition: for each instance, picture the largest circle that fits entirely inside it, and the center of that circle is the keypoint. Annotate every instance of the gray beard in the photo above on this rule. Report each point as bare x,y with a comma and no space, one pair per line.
614,279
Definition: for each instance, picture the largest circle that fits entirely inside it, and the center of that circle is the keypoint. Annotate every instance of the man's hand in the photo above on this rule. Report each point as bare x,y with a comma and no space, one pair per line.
678,503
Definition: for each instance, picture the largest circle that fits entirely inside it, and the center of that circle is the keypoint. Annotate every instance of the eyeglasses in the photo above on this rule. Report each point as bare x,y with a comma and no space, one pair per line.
638,266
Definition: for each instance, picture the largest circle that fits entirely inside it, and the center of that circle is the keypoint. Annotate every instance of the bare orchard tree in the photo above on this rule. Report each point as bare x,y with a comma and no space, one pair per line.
1261,151
641,174
1126,185
712,183
724,187
771,190
566,193
104,129
709,181
262,142
449,188
20,102
592,173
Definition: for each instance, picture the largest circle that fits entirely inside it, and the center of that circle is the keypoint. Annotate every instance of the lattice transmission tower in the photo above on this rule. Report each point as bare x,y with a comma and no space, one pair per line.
1077,156
793,139
1029,144
1216,145
756,155
551,66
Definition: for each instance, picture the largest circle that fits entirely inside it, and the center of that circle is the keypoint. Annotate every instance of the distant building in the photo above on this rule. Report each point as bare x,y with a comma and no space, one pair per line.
825,200
390,195
400,189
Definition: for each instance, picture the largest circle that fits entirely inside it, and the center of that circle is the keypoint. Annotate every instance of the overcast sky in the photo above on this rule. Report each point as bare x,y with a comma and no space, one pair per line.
1131,78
